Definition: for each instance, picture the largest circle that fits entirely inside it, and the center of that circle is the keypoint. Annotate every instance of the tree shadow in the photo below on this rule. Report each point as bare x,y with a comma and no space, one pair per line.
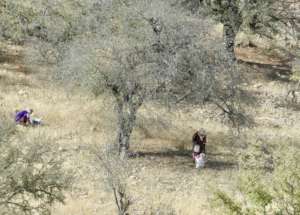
212,162
217,165
172,153
162,154
222,154
220,165
272,72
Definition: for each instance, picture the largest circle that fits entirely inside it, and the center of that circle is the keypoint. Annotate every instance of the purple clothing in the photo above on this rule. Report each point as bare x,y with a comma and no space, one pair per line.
22,116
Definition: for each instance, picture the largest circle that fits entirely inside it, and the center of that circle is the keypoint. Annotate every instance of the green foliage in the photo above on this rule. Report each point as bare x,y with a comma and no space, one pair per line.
260,196
273,192
31,174
232,206
286,185
257,199
257,193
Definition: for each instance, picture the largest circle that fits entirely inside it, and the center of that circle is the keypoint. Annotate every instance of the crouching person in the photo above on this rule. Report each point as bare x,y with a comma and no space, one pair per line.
23,117
199,152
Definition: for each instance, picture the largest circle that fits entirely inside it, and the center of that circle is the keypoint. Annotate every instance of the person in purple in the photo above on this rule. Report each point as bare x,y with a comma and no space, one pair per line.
23,117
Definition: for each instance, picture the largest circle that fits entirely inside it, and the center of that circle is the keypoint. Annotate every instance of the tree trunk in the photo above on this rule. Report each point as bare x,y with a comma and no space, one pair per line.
229,40
232,21
127,110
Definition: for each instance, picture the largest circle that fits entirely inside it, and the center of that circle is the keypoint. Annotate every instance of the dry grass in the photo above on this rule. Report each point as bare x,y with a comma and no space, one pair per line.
164,175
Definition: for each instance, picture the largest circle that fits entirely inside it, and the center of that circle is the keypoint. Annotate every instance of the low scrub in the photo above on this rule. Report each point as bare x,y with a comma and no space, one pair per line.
265,190
31,176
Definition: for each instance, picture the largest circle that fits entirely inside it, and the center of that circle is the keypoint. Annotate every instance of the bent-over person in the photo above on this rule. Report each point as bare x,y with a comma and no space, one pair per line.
199,141
23,117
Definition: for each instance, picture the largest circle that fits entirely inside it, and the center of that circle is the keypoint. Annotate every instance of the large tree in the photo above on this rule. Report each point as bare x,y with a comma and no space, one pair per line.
150,51
267,18
135,51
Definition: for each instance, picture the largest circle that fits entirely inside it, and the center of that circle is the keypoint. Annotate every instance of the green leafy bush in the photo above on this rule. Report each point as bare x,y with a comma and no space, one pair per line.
31,174
276,191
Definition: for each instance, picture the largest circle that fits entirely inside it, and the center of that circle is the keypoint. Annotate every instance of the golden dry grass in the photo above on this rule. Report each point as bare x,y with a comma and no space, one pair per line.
165,176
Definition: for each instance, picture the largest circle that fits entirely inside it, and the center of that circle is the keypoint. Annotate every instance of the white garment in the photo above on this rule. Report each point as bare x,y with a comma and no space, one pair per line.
35,121
196,148
200,160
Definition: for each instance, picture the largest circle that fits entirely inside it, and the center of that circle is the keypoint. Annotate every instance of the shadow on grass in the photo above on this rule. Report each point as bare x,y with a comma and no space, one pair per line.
212,162
182,153
220,165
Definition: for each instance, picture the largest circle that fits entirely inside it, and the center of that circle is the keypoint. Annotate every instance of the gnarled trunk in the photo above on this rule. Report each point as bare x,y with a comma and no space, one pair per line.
127,110
229,36
232,21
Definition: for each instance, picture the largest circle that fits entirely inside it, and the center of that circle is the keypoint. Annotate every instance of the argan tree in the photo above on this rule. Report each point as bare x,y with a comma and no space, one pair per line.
143,53
135,51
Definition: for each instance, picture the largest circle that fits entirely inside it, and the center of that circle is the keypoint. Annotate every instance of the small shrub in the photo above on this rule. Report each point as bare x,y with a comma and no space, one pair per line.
273,192
31,174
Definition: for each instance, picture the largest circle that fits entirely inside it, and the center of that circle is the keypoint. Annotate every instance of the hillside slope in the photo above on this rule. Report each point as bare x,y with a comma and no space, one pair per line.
163,174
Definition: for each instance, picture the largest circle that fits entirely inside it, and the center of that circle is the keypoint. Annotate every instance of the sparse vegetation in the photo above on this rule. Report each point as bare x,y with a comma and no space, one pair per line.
116,173
123,84
144,57
31,175
263,189
268,18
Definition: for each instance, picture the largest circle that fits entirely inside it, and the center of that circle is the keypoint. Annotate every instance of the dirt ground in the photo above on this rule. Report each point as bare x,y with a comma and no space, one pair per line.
163,174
